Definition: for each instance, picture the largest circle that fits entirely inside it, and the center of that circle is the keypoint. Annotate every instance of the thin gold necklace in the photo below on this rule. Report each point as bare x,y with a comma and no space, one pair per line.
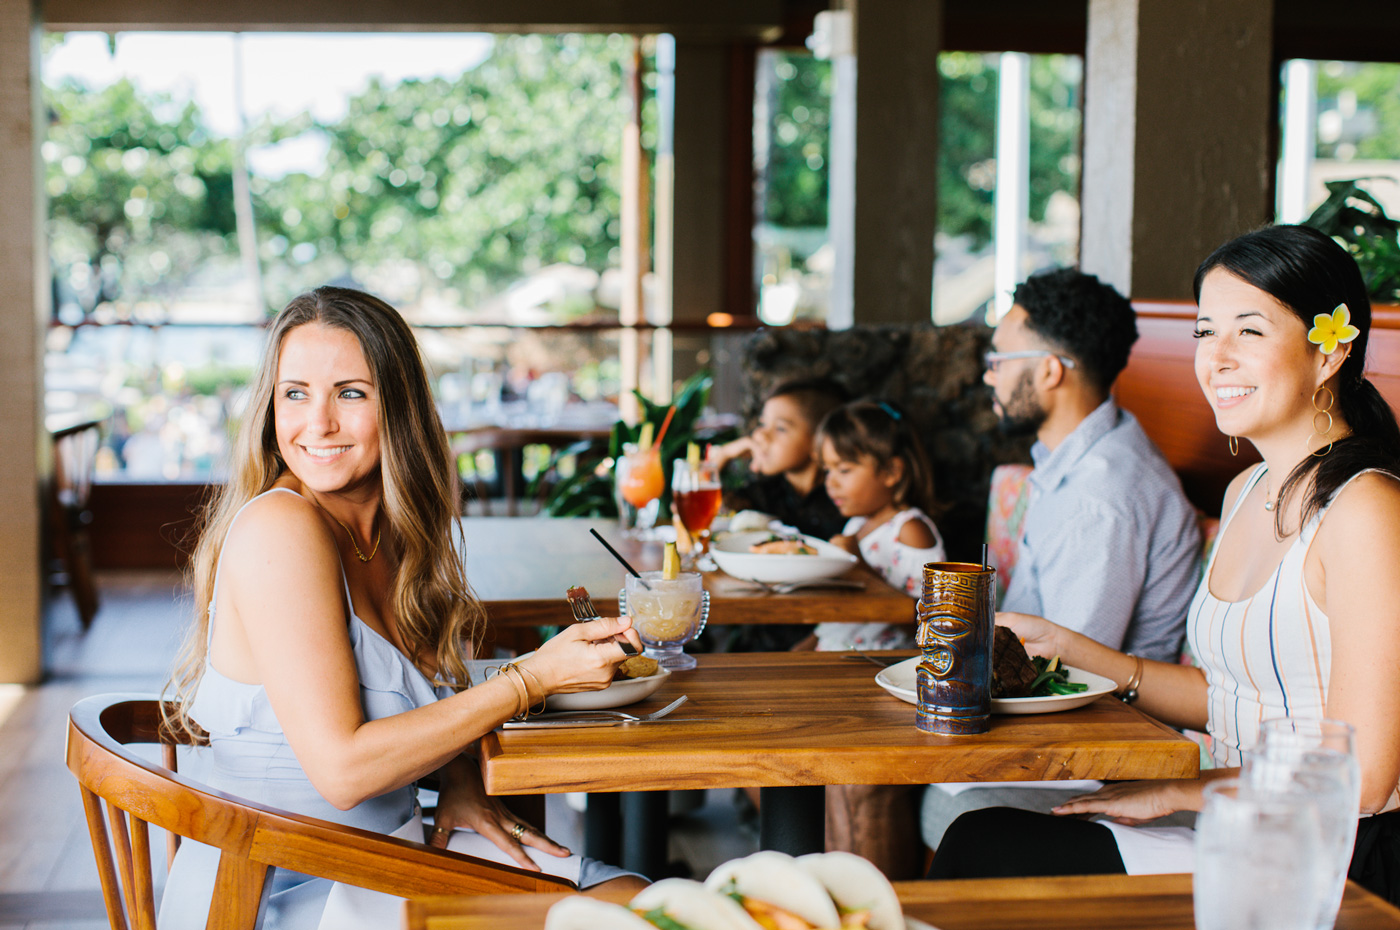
362,557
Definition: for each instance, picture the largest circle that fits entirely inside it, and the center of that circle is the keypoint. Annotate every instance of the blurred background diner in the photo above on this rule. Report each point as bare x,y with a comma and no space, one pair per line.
589,219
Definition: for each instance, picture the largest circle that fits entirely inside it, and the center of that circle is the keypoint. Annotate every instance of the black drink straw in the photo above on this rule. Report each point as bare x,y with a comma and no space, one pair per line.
985,564
625,564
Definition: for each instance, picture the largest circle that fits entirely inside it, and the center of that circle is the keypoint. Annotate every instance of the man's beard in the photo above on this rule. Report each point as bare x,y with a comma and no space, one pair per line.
1022,414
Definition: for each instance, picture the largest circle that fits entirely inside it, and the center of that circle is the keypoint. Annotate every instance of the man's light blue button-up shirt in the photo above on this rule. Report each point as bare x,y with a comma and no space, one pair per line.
1110,546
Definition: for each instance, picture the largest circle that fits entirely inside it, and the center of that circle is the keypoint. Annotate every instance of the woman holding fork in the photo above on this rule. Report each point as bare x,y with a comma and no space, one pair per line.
328,658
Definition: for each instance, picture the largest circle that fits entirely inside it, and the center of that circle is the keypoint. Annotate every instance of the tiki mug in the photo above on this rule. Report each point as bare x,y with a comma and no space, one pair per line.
956,614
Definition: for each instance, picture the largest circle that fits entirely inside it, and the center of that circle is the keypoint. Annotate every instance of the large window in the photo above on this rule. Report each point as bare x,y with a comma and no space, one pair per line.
197,182
792,132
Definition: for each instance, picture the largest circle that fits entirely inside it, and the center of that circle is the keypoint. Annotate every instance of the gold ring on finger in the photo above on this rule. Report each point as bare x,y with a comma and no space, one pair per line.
517,831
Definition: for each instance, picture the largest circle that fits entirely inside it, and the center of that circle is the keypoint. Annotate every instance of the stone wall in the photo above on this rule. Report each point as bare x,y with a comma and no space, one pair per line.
933,373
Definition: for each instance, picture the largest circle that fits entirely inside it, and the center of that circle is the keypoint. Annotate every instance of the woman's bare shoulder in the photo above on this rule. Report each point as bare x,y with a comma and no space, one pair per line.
1362,525
276,522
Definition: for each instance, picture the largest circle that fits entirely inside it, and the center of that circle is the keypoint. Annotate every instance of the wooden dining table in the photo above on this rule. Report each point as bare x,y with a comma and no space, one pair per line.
521,567
791,723
1082,902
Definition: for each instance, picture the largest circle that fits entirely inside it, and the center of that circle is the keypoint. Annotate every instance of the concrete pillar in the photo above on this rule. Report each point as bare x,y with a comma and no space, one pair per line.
891,201
1177,111
24,451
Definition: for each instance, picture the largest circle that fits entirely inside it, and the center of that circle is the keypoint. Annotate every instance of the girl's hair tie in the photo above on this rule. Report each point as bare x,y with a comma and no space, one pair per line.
894,414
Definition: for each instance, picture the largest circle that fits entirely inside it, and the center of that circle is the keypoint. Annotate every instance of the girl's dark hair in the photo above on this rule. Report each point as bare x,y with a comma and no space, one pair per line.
882,431
1309,273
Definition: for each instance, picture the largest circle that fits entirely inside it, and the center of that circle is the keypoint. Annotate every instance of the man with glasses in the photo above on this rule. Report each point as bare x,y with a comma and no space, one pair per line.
1110,546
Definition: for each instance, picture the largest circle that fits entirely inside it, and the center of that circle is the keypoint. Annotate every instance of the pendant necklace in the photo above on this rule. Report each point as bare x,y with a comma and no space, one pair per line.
360,555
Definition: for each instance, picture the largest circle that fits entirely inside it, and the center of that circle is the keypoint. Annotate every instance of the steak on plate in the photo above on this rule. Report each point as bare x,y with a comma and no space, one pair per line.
1012,670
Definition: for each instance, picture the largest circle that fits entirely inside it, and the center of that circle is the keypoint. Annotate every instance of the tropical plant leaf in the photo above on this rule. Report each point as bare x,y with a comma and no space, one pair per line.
1357,220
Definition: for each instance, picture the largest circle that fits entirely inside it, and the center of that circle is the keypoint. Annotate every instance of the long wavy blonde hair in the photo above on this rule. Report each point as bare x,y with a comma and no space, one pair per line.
437,613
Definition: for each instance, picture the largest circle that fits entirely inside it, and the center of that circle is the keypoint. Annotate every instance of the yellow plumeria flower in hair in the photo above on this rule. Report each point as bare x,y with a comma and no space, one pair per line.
1332,328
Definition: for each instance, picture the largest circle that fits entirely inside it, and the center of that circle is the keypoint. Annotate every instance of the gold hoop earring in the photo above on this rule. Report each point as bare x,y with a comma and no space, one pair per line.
1234,445
1326,431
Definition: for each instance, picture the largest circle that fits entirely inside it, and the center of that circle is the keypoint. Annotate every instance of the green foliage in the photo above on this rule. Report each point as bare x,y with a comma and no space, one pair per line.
137,188
1356,220
1375,87
795,181
795,178
589,492
967,144
512,166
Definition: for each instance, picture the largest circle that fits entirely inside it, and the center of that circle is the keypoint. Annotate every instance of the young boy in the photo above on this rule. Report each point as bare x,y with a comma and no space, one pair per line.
788,483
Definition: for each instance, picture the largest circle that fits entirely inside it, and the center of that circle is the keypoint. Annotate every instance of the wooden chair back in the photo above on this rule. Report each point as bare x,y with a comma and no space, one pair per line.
75,460
128,793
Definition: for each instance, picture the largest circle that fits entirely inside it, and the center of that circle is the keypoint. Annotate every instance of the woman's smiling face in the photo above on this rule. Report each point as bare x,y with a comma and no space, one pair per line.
326,409
1253,360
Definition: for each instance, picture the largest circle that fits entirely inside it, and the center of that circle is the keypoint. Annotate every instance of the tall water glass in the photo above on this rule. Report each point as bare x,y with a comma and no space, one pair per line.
1319,757
1258,861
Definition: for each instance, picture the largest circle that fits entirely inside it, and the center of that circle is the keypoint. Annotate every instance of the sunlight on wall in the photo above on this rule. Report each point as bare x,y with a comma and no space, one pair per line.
9,700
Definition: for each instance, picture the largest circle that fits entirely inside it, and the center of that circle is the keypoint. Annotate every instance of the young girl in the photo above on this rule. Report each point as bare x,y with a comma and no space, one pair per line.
879,478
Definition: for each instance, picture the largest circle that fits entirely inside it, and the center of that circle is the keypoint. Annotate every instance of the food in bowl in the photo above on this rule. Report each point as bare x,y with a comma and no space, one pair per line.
636,667
783,545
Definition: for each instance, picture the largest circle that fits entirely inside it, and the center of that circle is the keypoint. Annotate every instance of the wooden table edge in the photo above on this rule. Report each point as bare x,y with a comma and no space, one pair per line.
1357,904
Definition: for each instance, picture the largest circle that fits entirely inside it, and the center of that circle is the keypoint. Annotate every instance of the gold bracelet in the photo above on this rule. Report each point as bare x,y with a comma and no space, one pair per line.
1129,692
535,678
522,697
520,672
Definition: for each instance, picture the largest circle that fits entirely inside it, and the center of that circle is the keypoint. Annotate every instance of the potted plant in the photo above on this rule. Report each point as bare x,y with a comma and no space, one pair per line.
1357,220
590,491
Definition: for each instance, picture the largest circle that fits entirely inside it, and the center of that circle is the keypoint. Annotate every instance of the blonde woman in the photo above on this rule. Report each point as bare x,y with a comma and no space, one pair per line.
327,661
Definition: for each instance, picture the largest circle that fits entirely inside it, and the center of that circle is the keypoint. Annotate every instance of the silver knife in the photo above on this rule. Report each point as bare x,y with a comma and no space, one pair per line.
589,722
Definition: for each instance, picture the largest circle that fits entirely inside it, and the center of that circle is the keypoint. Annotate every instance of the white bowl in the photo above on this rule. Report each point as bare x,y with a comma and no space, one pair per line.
731,553
617,694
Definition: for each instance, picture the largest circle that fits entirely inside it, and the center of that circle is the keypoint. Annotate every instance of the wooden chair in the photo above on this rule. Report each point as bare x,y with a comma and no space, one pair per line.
253,838
75,456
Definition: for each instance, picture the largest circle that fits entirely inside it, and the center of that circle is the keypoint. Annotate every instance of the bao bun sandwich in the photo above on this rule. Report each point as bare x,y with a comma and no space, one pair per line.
765,891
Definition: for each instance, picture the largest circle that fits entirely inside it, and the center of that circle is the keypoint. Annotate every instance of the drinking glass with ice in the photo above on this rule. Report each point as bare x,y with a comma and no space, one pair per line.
667,614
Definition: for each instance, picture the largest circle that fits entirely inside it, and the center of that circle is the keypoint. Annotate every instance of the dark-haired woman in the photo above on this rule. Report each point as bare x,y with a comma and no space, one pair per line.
328,659
1299,610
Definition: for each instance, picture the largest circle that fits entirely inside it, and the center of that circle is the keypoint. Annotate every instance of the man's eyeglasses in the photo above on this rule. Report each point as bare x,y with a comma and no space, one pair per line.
993,359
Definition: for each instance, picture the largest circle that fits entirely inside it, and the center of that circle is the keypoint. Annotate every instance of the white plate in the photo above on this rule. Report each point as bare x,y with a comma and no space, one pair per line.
899,680
731,553
618,694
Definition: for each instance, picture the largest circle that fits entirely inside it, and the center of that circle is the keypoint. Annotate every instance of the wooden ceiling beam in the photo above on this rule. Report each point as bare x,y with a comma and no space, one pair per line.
718,20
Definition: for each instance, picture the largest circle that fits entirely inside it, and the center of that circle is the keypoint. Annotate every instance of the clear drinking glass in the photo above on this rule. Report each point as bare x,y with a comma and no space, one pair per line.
1259,864
695,490
1318,757
667,615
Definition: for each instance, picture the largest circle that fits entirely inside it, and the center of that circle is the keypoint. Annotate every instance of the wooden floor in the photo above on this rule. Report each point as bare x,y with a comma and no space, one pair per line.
48,880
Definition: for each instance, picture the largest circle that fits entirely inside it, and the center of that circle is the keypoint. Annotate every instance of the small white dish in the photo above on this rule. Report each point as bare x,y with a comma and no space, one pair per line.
899,680
618,694
731,553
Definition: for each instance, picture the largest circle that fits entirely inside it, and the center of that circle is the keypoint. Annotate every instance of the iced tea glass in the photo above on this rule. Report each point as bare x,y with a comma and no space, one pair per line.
695,491
667,615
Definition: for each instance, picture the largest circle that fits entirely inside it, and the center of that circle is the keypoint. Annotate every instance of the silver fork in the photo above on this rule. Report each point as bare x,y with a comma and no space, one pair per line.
592,717
582,608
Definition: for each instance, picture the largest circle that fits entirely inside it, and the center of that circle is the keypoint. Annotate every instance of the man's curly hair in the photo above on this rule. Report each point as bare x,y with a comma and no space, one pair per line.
1088,320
